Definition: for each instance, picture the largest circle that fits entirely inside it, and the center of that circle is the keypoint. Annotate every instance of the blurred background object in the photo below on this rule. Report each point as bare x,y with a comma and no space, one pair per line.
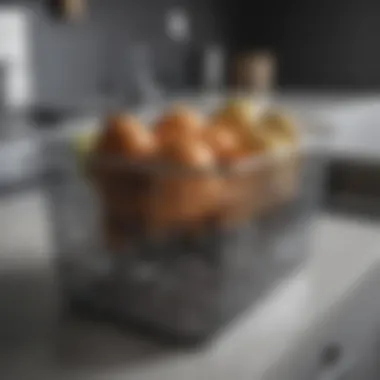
68,10
256,71
178,27
214,68
147,88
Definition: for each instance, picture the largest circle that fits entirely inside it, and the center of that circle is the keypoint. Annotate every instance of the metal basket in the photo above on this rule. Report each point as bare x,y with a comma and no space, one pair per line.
182,274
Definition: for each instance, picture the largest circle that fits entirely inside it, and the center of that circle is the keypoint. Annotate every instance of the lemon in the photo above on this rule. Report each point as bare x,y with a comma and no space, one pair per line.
241,115
281,126
239,112
83,145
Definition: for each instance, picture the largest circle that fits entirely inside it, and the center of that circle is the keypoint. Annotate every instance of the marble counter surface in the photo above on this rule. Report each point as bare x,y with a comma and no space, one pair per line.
343,253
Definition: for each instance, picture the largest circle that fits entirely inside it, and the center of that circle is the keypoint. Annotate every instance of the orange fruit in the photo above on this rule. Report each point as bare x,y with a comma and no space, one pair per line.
186,197
125,136
179,123
225,143
189,154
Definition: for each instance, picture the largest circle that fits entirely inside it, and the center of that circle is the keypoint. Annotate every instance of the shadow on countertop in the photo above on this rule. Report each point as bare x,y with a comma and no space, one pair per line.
31,321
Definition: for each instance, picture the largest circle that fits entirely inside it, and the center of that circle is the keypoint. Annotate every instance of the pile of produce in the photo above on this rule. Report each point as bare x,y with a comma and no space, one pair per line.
187,170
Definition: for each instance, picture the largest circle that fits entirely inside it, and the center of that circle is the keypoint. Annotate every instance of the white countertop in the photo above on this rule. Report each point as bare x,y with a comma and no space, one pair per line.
344,251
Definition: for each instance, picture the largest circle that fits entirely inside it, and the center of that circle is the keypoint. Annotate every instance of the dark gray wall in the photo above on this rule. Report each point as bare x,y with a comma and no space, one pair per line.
75,63
320,43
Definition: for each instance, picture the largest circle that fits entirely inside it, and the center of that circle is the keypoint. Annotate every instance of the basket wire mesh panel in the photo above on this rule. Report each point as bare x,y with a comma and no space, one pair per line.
180,285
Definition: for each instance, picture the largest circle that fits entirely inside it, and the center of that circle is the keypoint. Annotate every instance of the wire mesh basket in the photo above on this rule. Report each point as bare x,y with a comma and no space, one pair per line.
180,253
